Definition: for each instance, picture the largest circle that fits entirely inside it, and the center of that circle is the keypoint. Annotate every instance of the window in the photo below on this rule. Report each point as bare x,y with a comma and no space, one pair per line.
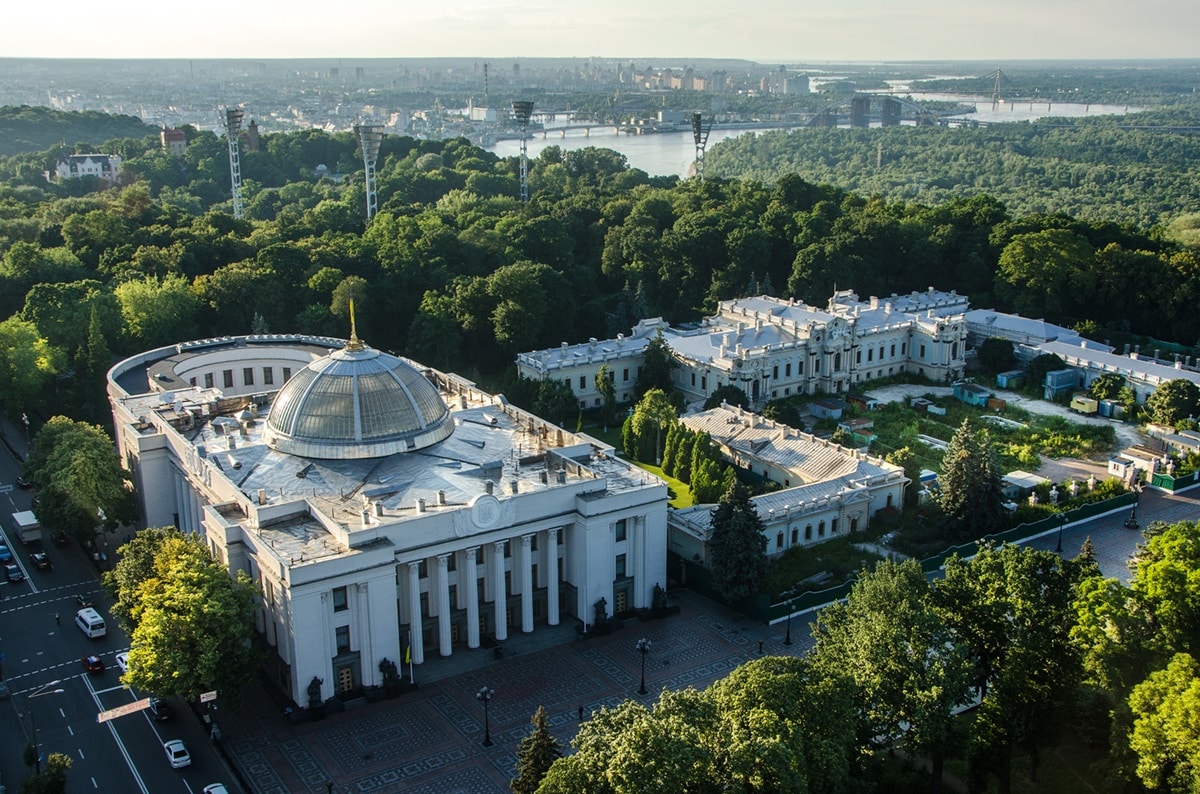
775,372
693,378
857,356
620,566
787,370
622,528
808,532
922,356
779,540
954,350
582,382
893,353
821,529
817,366
342,634
833,526
227,376
567,382
904,348
837,361
339,600
193,382
889,500
287,374
795,535
248,376
625,374
208,380
268,376
451,562
870,354
799,367
704,383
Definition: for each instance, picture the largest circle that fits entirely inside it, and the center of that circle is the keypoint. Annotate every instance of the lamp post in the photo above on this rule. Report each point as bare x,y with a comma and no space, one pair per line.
643,647
45,690
1062,522
484,696
787,637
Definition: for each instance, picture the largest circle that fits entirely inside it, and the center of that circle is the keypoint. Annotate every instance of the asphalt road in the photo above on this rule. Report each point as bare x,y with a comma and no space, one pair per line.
41,653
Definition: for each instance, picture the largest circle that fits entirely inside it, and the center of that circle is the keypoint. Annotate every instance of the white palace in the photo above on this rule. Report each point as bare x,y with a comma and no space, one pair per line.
772,348
378,504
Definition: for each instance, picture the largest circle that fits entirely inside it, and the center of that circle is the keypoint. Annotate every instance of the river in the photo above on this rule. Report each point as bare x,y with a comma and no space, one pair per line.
673,153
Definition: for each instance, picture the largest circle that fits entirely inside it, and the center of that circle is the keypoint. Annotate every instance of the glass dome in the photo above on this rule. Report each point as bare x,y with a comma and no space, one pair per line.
356,402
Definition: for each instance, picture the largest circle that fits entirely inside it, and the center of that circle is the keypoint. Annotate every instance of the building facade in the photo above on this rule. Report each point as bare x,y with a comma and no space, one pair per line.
827,490
76,166
383,508
772,348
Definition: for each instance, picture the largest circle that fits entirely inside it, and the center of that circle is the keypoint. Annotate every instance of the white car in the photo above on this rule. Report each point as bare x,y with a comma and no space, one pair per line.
177,754
215,788
123,662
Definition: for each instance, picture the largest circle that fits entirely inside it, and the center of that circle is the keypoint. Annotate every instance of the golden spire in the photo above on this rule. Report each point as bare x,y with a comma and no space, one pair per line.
355,343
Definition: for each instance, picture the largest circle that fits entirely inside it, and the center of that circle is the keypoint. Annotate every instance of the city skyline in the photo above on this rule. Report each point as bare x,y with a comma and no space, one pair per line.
767,31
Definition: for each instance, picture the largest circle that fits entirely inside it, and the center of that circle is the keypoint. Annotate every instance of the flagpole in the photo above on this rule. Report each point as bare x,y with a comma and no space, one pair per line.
408,653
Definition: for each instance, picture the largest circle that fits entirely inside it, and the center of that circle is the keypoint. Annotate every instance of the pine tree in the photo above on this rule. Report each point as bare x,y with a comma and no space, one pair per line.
738,547
970,496
537,752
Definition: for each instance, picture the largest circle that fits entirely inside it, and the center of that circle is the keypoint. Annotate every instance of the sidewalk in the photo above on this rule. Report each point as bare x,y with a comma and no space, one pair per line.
430,741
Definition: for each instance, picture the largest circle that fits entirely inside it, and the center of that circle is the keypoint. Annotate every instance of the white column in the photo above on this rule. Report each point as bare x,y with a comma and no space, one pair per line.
552,577
498,591
526,563
362,616
472,585
443,598
635,560
180,510
414,613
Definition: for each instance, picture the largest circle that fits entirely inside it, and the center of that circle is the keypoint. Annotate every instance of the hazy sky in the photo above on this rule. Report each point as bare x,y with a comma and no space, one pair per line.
760,30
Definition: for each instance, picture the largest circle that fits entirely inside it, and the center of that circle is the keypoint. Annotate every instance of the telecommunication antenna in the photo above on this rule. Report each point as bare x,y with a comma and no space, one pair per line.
700,135
233,128
996,90
370,136
522,110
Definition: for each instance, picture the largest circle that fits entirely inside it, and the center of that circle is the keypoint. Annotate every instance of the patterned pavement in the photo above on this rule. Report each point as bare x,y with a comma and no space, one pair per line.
431,741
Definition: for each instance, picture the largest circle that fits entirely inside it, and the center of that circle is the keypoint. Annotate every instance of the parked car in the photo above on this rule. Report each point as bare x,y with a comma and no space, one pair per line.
41,561
60,538
215,788
13,573
24,482
5,553
123,662
177,754
93,664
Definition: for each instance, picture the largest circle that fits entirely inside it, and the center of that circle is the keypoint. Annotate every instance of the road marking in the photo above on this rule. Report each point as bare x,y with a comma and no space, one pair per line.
112,729
94,784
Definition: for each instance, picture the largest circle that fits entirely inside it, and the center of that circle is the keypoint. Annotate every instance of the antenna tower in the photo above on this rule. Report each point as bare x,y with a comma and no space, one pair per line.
700,135
996,90
370,136
233,128
522,109
487,102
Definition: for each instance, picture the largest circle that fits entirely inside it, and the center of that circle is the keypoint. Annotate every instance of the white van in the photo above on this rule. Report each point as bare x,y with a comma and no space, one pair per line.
90,623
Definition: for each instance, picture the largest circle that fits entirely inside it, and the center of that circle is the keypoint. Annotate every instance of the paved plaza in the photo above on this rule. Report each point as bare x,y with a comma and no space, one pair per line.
431,741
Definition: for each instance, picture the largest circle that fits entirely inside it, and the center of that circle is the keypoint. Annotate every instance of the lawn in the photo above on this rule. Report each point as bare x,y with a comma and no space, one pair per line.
680,492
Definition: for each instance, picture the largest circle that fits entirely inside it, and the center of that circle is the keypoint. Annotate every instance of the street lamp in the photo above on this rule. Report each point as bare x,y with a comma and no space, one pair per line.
45,690
1062,522
484,696
787,638
643,647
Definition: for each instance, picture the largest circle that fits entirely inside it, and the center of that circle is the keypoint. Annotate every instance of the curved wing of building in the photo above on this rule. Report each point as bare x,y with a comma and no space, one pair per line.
386,510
